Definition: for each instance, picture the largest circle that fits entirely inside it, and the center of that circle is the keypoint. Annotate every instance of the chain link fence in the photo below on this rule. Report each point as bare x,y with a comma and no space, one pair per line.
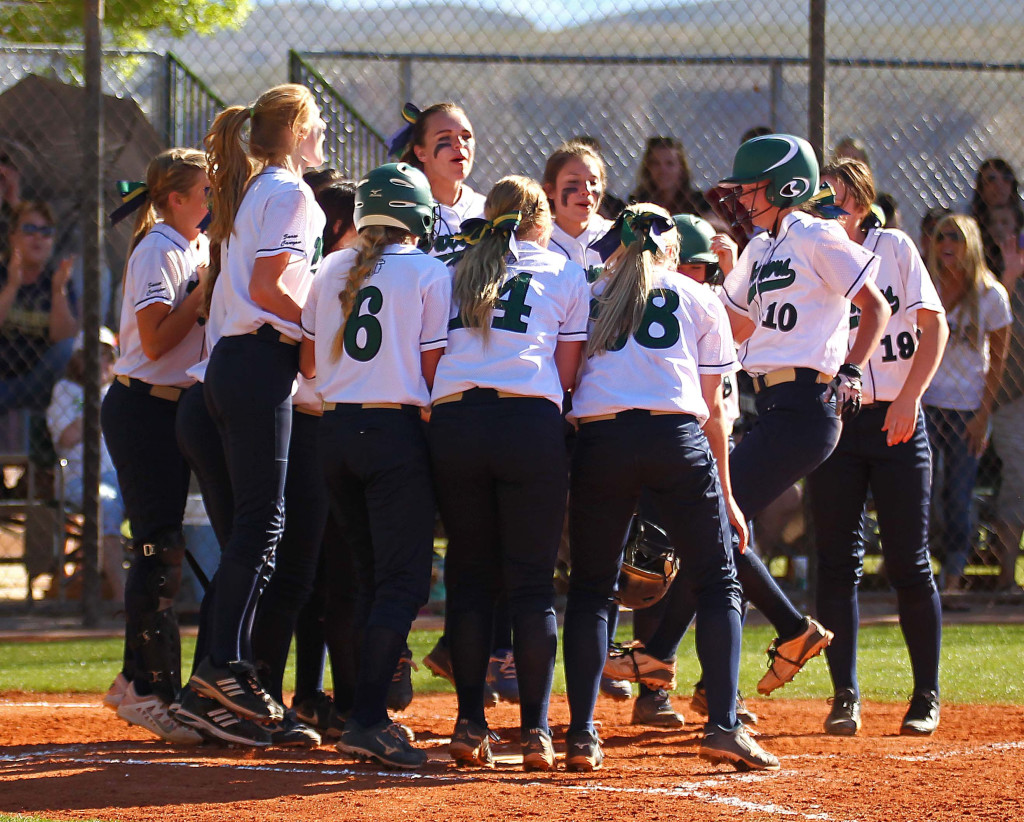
929,89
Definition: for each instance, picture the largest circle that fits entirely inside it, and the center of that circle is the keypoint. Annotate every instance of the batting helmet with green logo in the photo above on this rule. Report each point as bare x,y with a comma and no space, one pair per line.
396,195
786,164
694,239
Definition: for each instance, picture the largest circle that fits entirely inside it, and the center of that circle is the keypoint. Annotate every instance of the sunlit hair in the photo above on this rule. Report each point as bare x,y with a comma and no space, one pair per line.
278,121
969,267
481,271
174,171
419,130
857,177
574,150
683,200
373,240
627,280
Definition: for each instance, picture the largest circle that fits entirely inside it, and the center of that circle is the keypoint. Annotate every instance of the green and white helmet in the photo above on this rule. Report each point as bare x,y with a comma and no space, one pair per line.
694,239
786,164
396,195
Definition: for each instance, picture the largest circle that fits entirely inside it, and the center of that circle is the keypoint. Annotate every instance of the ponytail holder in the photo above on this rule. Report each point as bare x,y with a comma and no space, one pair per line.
823,203
631,226
504,225
252,111
133,197
398,142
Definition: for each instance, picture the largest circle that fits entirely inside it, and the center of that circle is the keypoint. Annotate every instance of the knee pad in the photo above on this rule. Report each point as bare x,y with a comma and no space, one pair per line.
164,554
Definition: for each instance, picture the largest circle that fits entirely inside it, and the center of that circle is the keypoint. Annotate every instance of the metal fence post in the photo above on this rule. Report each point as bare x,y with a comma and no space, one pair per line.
404,81
817,102
92,231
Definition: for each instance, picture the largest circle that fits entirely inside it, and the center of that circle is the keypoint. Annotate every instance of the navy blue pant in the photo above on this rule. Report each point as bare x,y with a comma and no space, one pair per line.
377,469
501,476
297,556
795,431
955,476
613,463
899,480
248,393
153,476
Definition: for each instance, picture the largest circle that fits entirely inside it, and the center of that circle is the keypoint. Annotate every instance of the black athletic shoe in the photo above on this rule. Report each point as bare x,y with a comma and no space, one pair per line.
211,718
236,687
471,745
400,690
538,751
655,710
844,718
583,751
735,747
922,717
699,703
384,742
291,733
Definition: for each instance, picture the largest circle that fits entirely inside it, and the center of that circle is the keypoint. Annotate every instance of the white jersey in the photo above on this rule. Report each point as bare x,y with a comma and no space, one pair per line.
450,218
906,284
684,333
278,214
400,312
544,300
578,248
796,288
161,271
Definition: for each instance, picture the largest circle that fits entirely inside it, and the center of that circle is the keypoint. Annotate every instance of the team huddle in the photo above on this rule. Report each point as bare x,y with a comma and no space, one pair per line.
510,363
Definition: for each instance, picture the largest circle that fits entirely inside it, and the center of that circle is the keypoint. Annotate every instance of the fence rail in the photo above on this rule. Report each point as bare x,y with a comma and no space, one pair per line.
352,145
189,103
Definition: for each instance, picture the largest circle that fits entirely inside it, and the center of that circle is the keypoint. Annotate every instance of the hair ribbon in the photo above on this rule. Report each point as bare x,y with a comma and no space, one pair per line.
823,203
133,195
398,142
632,226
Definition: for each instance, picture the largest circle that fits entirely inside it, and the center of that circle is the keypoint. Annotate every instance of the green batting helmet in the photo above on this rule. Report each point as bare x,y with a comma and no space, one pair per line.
786,164
396,195
694,239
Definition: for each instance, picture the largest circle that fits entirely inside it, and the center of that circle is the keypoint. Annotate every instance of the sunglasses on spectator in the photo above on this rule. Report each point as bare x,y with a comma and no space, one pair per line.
1006,176
31,229
952,236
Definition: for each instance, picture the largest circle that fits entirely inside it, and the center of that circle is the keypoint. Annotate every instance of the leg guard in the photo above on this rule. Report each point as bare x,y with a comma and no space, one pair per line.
157,647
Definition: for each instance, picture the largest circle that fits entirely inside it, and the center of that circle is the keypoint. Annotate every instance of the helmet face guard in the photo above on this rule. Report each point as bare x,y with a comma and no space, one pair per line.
725,202
649,565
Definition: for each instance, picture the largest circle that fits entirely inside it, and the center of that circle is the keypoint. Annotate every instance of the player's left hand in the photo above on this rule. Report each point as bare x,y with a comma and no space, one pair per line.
901,420
738,521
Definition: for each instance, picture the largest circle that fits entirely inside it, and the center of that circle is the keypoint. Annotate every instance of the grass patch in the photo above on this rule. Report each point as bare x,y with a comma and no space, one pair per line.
980,664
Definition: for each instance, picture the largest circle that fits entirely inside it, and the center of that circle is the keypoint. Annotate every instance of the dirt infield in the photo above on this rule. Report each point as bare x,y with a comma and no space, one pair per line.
68,758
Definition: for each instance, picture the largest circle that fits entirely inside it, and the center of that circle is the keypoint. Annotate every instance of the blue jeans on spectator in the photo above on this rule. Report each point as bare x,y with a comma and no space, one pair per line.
955,473
111,506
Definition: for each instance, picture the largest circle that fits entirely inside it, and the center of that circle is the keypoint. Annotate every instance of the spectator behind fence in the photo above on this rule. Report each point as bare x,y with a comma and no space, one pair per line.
664,179
64,418
10,198
37,319
960,399
853,148
1008,418
995,189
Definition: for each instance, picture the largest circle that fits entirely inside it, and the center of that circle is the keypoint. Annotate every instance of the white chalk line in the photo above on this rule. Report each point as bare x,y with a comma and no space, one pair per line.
688,790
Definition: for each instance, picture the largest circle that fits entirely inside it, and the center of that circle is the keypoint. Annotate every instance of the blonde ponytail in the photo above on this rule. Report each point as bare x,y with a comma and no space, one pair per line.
482,270
628,279
372,242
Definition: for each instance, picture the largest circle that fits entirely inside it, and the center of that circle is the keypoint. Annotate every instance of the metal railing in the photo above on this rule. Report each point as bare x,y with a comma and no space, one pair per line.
352,146
189,103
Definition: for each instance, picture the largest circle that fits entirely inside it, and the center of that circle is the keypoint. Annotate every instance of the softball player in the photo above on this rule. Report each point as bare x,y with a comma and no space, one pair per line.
439,142
496,438
574,181
375,326
884,449
267,227
789,300
160,339
657,347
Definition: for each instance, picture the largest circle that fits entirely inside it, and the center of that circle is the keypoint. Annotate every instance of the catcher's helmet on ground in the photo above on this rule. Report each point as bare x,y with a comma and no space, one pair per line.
784,163
396,195
649,565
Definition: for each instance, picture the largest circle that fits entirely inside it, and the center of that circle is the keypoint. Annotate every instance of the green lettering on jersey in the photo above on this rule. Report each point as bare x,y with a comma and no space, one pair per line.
894,303
771,276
